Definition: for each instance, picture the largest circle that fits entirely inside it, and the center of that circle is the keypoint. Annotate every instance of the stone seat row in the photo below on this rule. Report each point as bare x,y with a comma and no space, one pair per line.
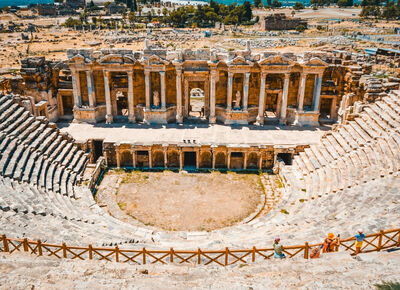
361,150
33,151
26,210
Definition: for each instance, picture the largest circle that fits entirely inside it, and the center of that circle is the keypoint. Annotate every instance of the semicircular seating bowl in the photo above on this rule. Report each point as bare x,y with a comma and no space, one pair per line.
349,180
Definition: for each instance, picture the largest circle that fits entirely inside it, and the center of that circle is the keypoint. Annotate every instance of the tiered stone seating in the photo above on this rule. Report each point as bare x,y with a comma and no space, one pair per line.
29,146
358,151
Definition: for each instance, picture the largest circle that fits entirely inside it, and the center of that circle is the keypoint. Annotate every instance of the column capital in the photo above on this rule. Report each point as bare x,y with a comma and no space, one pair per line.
162,72
287,75
247,74
230,74
264,74
129,72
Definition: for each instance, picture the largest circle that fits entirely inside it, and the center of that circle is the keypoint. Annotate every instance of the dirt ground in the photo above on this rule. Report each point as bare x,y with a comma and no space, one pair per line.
181,201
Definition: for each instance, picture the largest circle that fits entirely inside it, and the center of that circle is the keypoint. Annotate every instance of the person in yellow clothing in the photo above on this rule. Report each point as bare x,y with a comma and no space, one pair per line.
359,241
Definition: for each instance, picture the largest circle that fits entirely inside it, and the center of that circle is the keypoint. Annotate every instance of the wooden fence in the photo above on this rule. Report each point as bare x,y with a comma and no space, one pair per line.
372,242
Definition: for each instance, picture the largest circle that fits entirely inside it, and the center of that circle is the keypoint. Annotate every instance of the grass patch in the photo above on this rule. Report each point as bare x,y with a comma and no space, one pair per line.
284,211
388,285
122,205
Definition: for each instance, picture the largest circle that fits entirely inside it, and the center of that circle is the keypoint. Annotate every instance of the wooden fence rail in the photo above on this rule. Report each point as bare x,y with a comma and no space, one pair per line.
373,242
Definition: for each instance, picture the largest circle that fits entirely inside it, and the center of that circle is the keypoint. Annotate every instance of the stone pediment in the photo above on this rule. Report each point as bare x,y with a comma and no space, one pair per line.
116,59
315,61
278,60
79,59
155,60
239,60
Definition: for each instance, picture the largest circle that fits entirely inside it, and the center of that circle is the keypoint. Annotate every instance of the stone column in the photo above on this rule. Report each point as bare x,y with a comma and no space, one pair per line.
118,157
90,88
229,92
179,118
260,161
302,88
213,81
133,158
285,94
213,159
317,92
109,116
246,90
180,159
76,86
197,159
261,101
150,159
165,158
131,105
245,160
229,160
163,90
147,83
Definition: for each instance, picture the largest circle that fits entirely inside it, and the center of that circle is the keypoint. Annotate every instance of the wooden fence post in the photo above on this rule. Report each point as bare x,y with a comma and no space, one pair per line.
398,241
198,255
90,252
116,254
226,256
39,247
253,254
26,249
144,255
306,248
5,244
64,249
380,240
171,255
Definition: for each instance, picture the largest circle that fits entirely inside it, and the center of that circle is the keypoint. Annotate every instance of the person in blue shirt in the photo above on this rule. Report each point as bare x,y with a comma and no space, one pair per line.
360,236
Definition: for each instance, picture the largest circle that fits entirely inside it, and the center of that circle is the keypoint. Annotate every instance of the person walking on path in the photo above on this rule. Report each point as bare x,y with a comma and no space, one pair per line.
278,249
360,236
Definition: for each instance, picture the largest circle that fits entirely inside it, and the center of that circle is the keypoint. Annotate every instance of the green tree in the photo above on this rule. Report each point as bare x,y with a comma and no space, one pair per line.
298,6
300,28
390,11
257,3
276,4
134,5
248,15
129,4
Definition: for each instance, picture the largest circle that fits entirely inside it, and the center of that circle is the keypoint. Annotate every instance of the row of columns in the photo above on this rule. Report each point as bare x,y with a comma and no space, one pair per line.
213,80
214,154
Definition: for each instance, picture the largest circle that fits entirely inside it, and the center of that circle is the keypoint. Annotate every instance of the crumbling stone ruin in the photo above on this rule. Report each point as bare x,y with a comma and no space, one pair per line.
279,21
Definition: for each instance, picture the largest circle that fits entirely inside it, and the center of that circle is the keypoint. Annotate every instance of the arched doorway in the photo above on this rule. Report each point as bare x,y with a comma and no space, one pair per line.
220,160
205,160
196,103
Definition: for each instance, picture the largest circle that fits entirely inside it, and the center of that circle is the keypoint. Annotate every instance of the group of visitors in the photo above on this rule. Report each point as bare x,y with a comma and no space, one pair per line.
331,244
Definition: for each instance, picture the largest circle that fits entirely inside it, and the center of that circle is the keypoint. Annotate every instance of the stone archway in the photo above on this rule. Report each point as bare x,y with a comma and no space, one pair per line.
220,160
205,160
192,81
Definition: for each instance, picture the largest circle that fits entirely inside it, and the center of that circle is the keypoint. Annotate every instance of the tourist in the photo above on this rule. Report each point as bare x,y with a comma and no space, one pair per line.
315,252
278,249
330,243
359,241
